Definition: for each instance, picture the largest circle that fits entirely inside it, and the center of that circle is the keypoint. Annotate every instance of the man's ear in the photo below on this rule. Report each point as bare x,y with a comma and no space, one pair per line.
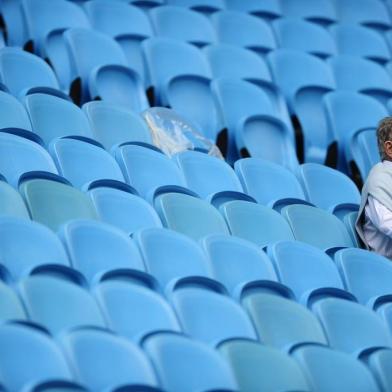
388,149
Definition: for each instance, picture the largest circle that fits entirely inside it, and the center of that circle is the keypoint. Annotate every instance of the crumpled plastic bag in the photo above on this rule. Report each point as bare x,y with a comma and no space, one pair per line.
172,134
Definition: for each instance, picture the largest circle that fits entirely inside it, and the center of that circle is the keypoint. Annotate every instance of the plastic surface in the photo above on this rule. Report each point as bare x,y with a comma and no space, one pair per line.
267,9
322,11
12,203
13,114
380,365
11,307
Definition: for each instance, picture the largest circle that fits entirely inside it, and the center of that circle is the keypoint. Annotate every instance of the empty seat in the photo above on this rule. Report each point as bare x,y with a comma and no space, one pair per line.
204,6
11,307
267,9
52,201
331,232
147,4
256,223
260,368
189,215
12,112
98,250
183,364
11,202
15,22
350,220
321,11
123,209
379,363
113,124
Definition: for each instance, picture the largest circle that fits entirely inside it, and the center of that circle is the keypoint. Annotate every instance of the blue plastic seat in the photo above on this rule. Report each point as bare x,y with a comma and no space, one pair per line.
113,124
11,307
304,80
321,11
203,370
182,24
260,368
328,370
203,6
147,4
267,9
291,34
100,66
350,221
331,232
329,189
189,215
31,361
11,202
379,363
134,310
256,223
105,361
15,22
12,113
123,209
99,250
53,117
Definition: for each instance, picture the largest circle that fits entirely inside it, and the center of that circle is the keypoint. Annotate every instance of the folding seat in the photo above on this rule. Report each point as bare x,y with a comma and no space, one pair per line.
349,221
11,202
182,24
189,215
330,234
147,4
133,309
291,34
255,33
268,183
99,250
342,318
113,124
328,370
10,308
256,223
14,20
19,155
280,322
52,117
123,209
12,113
126,366
360,41
171,257
260,368
183,364
267,9
304,80
100,69
113,19
329,189
203,6
52,201
379,363
30,360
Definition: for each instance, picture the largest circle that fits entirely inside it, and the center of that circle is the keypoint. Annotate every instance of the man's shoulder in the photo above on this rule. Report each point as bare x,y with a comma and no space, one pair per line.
379,170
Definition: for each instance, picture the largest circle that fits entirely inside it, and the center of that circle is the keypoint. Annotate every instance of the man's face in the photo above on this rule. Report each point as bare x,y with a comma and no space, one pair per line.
388,149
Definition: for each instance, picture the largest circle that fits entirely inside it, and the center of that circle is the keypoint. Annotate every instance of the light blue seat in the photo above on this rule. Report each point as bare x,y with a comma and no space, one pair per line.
84,163
112,124
328,370
100,67
123,209
99,250
379,363
12,113
256,223
52,117
330,234
350,220
58,304
15,22
291,34
267,9
329,189
147,4
342,319
189,215
134,310
321,11
19,155
105,361
31,361
304,80
204,6
11,307
203,369
182,24
260,368
360,41
182,258
11,202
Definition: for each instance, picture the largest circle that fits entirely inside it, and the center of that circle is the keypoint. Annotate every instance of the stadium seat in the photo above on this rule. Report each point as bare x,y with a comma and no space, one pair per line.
280,322
329,189
12,203
256,223
350,220
52,201
59,305
267,9
123,209
342,319
203,370
147,4
30,360
99,250
15,23
260,368
291,32
182,24
10,308
134,310
379,363
105,361
182,257
321,11
189,215
12,113
360,41
203,6
330,234
53,117
328,370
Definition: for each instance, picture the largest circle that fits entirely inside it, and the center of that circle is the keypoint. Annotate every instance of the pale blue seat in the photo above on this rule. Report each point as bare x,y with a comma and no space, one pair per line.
11,202
322,11
12,113
379,363
350,220
267,9
15,22
11,308
203,6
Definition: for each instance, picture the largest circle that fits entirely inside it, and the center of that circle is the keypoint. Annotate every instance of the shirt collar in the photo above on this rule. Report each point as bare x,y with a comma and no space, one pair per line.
387,163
